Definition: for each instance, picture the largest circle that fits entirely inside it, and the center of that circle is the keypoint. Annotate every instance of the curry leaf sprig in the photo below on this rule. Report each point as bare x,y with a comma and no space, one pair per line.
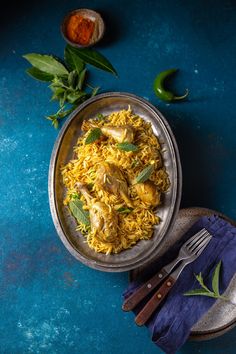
67,78
204,290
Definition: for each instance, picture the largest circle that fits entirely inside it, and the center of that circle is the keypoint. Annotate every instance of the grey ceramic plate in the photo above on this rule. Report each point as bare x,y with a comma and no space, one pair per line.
63,152
222,316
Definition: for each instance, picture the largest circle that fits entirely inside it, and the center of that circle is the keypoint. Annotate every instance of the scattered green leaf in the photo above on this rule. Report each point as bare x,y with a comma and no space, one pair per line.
145,174
95,91
205,291
47,64
74,97
68,87
72,79
81,79
93,135
215,279
72,60
55,123
62,99
201,281
39,75
81,215
74,196
94,58
127,146
60,114
125,210
58,93
100,116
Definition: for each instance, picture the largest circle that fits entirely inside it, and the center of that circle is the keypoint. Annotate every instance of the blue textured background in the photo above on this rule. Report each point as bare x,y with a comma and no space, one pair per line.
50,303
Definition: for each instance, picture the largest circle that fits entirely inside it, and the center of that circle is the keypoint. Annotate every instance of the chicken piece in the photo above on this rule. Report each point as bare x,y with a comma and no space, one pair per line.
104,220
111,179
119,133
148,193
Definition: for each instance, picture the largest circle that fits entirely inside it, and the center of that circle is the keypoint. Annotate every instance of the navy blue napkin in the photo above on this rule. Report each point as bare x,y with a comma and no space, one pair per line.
171,324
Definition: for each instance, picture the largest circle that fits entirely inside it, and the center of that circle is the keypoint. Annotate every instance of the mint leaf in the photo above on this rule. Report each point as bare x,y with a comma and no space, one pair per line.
215,279
93,135
145,174
46,63
125,146
204,290
201,282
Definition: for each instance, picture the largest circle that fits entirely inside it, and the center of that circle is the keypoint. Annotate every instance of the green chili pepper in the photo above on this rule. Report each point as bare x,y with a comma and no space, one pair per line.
159,87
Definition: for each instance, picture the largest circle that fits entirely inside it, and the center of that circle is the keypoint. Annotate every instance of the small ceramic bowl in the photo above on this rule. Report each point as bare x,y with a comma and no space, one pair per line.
87,14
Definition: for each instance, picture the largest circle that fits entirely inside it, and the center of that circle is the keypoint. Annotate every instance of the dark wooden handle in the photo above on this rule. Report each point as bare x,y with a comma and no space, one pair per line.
154,302
133,300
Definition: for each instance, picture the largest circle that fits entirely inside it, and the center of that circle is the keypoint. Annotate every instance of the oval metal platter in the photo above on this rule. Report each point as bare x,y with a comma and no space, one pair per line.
62,152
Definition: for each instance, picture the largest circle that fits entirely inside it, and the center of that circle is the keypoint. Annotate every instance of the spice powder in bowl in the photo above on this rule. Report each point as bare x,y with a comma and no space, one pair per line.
82,28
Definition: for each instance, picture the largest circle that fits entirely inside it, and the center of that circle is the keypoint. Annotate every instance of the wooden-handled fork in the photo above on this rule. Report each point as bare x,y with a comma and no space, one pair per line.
190,250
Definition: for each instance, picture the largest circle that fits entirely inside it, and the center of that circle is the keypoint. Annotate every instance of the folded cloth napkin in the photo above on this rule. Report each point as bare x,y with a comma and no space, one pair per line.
171,324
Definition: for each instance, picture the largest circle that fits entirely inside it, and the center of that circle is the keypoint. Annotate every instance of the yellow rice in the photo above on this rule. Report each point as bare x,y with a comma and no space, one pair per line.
138,224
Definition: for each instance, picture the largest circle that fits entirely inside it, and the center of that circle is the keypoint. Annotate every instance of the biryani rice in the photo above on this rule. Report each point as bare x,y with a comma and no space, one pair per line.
138,224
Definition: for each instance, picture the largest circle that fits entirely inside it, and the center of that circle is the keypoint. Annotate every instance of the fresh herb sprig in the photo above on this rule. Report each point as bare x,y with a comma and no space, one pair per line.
68,77
204,290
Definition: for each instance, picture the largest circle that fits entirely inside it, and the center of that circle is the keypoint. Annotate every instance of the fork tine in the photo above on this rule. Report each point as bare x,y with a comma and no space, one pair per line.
193,246
198,250
196,237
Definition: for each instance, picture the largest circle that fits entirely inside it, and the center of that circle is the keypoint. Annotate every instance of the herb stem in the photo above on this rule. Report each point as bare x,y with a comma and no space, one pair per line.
205,291
90,86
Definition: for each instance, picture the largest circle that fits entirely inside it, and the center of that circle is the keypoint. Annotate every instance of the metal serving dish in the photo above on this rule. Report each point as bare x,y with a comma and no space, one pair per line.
62,152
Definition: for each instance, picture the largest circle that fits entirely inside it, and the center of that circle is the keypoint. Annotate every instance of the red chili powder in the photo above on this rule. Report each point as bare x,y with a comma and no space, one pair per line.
80,29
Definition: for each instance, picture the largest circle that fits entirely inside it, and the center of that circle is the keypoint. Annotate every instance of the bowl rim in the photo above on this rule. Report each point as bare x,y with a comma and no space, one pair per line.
66,18
51,186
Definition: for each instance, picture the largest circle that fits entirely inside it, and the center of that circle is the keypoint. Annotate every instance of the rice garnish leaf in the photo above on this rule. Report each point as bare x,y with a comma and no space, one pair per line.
145,174
76,208
124,210
93,135
125,146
